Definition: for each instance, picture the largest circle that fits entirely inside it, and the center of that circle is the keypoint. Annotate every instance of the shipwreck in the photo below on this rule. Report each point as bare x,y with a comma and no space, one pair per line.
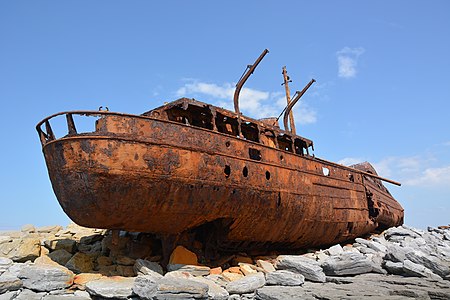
232,181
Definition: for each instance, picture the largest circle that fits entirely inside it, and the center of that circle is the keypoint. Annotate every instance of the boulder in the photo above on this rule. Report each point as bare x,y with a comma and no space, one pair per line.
80,263
247,269
145,286
80,280
113,287
58,243
416,270
247,284
334,250
229,276
145,267
180,288
60,256
284,293
181,255
309,268
46,277
125,261
284,277
265,265
215,291
194,270
347,264
49,229
5,263
30,295
433,263
9,283
21,250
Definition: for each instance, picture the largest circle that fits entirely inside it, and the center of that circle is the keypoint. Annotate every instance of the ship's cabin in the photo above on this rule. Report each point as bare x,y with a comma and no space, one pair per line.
264,131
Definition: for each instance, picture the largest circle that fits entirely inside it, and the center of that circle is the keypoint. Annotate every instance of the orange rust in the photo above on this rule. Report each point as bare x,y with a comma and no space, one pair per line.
191,167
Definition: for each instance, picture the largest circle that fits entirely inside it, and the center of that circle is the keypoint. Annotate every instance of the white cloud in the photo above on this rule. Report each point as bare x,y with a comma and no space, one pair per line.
411,171
254,103
348,161
348,60
431,177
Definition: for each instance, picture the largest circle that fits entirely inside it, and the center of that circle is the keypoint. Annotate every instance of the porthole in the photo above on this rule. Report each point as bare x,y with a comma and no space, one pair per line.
227,144
227,171
245,172
267,175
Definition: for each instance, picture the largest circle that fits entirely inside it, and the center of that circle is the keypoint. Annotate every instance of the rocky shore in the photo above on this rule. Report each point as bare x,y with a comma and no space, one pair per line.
79,263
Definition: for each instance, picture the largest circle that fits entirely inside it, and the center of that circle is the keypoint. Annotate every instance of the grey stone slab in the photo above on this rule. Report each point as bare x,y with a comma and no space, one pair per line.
9,283
284,278
215,291
302,265
247,284
181,288
145,267
145,286
282,293
347,264
111,287
46,277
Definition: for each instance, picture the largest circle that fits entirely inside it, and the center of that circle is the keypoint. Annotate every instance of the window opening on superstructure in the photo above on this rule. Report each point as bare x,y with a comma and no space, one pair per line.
267,137
193,115
284,142
250,131
227,125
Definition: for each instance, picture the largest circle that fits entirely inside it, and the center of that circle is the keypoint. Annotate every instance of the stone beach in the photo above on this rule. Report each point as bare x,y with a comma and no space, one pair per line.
79,263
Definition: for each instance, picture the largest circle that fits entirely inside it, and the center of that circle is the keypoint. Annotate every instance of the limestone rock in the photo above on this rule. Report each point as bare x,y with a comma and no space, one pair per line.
60,256
80,263
145,267
21,250
194,270
283,293
181,255
247,269
284,277
413,269
347,264
28,228
66,244
433,263
46,277
309,268
394,232
215,291
180,288
334,250
80,280
9,283
5,239
248,284
9,295
393,267
112,287
145,286
265,265
232,276
217,271
5,263
29,295
104,261
49,229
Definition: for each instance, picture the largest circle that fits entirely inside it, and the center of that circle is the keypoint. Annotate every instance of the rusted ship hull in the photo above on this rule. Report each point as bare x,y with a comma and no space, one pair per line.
140,173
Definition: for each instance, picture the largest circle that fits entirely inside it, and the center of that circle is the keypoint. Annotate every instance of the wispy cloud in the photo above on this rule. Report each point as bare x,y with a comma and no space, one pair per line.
254,103
431,177
411,171
348,61
348,161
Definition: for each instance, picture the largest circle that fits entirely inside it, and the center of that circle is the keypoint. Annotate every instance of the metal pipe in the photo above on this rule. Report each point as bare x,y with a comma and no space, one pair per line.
244,79
293,102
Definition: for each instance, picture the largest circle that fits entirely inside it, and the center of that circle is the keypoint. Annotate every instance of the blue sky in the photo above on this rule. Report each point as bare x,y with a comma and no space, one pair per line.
382,91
